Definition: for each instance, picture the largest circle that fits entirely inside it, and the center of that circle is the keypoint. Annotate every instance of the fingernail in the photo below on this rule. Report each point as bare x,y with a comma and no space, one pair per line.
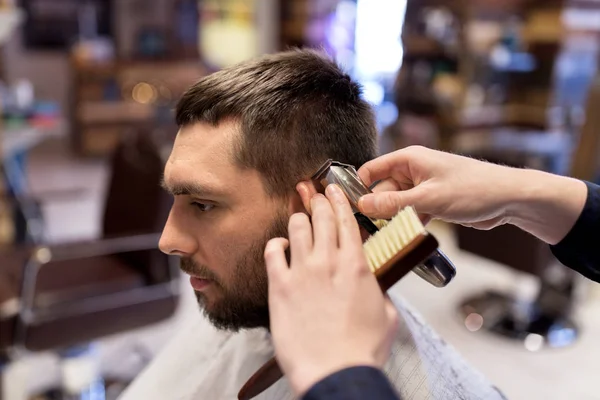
367,203
301,187
334,190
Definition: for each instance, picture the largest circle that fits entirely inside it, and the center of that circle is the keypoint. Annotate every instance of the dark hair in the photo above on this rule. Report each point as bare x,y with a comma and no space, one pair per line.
296,109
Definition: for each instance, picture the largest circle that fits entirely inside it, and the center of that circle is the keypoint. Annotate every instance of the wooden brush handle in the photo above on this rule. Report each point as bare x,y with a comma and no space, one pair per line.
387,275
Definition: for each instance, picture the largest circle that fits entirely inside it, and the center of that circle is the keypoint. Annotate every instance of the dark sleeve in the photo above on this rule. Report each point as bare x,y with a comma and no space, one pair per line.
356,383
580,249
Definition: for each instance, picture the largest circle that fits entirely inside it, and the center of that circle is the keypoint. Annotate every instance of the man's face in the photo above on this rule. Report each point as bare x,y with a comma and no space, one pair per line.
219,224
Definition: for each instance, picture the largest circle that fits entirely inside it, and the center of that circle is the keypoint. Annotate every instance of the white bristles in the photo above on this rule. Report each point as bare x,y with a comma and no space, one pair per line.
380,223
398,233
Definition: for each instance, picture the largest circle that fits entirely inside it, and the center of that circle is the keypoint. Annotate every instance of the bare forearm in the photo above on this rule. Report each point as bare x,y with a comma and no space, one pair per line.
545,205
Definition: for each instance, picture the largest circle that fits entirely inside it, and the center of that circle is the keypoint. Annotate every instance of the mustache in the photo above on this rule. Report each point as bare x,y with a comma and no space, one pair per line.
191,267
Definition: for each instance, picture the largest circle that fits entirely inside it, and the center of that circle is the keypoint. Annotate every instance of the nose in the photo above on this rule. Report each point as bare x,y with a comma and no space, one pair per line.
176,238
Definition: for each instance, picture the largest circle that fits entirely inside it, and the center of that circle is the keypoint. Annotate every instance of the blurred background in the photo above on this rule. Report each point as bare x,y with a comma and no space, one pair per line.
87,89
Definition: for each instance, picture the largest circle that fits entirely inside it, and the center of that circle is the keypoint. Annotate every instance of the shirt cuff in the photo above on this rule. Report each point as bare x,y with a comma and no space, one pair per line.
578,249
353,383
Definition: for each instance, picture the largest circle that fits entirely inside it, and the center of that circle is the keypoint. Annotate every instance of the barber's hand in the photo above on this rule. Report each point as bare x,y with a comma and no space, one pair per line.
327,310
439,185
472,193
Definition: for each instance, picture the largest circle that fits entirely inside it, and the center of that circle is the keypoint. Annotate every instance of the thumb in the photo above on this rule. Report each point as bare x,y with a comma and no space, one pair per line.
387,204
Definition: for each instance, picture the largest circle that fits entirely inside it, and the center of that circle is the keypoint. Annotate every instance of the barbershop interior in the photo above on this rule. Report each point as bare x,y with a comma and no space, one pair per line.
87,92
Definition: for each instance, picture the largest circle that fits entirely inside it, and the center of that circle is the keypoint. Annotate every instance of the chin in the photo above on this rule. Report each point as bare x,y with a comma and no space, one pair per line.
230,325
226,317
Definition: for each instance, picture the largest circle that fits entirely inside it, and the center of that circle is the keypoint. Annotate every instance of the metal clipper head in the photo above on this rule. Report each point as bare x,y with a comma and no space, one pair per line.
347,178
437,270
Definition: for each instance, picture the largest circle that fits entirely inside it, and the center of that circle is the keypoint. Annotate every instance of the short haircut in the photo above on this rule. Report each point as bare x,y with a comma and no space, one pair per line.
295,109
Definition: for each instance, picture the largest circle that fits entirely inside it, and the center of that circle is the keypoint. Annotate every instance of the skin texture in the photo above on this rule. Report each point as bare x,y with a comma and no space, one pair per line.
472,193
221,234
325,293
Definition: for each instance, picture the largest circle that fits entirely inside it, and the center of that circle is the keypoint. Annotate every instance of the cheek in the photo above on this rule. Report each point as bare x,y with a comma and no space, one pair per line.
224,243
233,234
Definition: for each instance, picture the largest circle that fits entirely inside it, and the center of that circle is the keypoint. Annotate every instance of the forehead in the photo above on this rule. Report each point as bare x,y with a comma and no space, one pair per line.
203,144
202,154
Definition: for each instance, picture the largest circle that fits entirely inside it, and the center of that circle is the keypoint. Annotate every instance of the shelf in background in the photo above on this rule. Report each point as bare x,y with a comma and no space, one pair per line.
114,112
112,99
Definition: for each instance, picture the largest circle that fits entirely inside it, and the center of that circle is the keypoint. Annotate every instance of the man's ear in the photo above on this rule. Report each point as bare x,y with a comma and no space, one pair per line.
301,203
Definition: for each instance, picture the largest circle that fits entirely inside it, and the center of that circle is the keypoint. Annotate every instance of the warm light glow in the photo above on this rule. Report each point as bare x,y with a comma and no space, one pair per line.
144,93
474,322
43,255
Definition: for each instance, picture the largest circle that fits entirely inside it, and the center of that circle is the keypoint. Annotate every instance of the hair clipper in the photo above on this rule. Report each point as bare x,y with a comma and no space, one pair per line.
438,270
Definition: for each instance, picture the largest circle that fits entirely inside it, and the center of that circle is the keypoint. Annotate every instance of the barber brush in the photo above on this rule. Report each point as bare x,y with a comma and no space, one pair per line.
395,248
435,269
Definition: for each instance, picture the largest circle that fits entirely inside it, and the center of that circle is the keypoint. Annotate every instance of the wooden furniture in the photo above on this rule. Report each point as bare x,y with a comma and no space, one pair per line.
586,158
156,30
109,100
502,58
60,296
474,65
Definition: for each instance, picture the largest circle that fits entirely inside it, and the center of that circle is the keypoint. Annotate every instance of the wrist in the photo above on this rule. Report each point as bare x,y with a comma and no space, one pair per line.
544,204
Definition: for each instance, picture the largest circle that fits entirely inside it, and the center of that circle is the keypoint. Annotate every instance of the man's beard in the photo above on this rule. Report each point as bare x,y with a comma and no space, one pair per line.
243,302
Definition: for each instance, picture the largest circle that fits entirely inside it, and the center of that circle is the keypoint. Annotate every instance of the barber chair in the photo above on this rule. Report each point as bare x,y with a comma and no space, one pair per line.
546,319
542,320
60,297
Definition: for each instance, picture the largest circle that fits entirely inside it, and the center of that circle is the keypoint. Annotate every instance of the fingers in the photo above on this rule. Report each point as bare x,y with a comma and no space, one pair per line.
306,190
397,186
347,228
382,167
324,226
387,204
275,260
382,205
300,237
387,185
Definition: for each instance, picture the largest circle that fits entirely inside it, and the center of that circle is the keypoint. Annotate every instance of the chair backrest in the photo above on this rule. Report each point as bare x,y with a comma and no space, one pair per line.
90,290
135,202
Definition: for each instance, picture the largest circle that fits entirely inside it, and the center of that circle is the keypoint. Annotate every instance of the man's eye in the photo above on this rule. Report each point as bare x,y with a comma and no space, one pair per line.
203,206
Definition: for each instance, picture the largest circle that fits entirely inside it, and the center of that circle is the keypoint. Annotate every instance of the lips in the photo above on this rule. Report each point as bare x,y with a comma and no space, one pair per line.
199,284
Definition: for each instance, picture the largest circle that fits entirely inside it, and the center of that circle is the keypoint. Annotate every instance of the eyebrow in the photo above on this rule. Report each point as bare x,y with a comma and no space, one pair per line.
189,189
